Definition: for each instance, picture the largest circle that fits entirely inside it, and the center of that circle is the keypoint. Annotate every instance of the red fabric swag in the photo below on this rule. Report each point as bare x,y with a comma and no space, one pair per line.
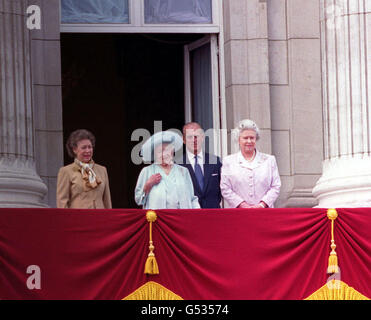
202,254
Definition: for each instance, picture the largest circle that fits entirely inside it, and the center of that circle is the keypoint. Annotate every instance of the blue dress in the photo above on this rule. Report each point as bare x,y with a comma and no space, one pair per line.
175,190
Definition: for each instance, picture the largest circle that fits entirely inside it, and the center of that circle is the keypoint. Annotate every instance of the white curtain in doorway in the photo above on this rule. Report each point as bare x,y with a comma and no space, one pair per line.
177,11
95,11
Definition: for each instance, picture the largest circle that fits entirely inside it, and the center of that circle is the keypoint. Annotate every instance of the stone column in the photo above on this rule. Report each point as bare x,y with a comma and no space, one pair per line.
47,96
247,67
20,185
345,46
295,96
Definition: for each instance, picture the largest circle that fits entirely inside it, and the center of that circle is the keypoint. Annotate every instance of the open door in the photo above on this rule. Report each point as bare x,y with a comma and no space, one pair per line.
201,81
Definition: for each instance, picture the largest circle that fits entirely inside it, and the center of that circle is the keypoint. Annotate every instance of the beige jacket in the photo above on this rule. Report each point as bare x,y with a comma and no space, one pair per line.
73,193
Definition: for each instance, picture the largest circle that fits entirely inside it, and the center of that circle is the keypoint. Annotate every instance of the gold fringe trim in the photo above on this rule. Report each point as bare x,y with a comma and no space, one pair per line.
152,291
336,290
333,259
151,266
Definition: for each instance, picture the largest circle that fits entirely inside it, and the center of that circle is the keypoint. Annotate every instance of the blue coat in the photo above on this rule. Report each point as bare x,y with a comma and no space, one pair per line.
174,190
210,196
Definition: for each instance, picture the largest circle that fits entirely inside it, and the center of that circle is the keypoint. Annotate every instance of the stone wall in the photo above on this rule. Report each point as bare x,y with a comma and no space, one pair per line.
47,96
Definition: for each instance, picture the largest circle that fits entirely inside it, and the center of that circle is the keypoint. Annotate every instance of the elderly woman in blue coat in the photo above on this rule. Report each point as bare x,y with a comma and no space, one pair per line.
164,184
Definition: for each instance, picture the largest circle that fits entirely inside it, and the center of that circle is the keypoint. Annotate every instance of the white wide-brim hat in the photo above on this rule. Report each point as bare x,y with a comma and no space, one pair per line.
148,147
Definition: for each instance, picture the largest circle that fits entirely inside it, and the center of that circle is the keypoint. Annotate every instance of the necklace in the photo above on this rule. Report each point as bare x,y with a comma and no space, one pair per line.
252,157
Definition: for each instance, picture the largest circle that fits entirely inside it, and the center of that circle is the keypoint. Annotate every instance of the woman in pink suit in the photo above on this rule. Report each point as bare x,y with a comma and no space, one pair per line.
249,178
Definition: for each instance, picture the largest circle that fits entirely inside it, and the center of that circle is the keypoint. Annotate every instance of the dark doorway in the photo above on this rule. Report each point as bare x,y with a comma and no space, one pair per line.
113,84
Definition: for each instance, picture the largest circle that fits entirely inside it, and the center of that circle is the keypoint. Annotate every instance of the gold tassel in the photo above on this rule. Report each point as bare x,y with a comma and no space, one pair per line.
151,266
332,264
333,259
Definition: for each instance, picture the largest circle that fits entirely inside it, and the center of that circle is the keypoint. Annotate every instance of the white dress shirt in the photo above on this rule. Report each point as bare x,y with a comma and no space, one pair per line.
192,160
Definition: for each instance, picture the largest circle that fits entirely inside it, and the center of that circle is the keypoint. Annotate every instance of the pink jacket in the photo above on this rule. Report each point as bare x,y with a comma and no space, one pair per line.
251,182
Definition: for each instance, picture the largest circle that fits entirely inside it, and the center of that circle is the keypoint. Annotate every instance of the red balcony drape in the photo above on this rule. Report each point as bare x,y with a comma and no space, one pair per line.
202,254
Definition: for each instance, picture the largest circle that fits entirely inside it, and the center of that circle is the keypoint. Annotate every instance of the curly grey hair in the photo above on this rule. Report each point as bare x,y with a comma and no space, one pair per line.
247,124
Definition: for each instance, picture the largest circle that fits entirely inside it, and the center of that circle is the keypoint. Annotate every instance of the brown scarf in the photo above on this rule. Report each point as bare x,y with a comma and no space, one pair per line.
88,174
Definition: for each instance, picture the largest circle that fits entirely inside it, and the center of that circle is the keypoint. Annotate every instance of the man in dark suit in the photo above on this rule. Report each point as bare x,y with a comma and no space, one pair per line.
203,167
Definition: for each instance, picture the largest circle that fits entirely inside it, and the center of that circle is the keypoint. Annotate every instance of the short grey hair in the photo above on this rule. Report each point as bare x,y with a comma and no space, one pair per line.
247,124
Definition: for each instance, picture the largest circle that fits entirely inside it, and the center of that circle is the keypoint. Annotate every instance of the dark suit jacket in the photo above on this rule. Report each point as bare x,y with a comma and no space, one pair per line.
210,196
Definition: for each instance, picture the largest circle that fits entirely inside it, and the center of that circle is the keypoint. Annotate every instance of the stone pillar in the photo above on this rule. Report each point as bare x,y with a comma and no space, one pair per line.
345,37
20,185
247,67
295,98
47,96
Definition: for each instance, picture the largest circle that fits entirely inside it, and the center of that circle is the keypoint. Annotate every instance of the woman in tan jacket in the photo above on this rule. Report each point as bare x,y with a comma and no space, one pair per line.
83,184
